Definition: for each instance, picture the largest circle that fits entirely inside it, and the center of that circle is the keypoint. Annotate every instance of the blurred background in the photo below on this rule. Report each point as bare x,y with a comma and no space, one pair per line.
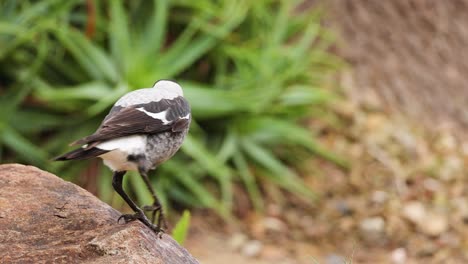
324,131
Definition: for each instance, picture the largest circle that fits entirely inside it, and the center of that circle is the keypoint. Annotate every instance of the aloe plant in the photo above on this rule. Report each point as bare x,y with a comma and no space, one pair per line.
252,70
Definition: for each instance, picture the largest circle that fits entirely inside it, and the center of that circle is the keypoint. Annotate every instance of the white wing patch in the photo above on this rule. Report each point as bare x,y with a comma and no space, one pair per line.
160,116
130,144
120,148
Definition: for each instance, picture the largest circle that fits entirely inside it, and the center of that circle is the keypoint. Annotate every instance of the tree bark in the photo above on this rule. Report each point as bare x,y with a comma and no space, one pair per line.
44,219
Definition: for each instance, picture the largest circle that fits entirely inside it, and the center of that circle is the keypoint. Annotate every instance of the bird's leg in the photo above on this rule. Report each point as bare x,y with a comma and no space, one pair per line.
156,207
139,214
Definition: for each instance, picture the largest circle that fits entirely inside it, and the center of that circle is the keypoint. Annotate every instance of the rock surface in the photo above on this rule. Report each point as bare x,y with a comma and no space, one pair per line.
44,219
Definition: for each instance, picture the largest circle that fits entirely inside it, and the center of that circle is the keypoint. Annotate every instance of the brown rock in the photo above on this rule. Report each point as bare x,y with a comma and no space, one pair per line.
47,220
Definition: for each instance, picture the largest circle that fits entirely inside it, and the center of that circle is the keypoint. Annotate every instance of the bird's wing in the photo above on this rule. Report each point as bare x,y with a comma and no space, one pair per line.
148,118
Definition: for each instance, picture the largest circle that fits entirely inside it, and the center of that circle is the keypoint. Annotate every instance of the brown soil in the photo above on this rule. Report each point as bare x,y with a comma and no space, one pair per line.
403,201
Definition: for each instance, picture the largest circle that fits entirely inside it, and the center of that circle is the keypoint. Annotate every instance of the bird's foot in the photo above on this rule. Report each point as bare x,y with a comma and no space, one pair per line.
156,209
151,208
142,217
129,217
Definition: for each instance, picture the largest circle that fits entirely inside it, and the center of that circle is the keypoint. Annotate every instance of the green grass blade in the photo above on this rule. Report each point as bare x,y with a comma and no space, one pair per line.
301,95
279,30
154,33
97,55
23,147
278,173
180,231
33,121
249,181
90,57
119,36
204,196
228,147
186,50
211,164
141,190
90,91
211,103
11,101
108,100
269,130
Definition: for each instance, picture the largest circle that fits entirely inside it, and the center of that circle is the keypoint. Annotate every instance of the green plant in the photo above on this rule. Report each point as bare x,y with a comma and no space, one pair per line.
250,69
180,231
24,49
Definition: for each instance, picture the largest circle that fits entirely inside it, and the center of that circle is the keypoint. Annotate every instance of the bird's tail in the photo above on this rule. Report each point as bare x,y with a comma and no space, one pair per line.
81,154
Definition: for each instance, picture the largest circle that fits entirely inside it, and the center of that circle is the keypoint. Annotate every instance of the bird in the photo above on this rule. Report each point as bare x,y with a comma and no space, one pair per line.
143,129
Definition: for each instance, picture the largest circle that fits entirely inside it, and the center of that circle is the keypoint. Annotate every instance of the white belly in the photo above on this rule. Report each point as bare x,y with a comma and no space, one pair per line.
120,148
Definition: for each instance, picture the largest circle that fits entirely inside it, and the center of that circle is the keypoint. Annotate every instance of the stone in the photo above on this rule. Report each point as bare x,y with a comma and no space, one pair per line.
252,248
237,240
373,225
379,197
414,211
432,185
274,224
435,225
335,259
48,220
373,230
399,256
452,166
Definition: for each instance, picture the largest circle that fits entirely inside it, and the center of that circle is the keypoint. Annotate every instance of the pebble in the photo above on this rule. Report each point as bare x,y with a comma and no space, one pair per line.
461,207
435,225
447,142
415,212
237,241
252,248
451,166
274,224
450,239
373,225
432,185
429,223
379,197
274,210
335,259
399,256
373,230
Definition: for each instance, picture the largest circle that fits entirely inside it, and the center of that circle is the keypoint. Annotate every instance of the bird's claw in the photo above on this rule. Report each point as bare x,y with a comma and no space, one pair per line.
158,230
140,216
157,214
129,217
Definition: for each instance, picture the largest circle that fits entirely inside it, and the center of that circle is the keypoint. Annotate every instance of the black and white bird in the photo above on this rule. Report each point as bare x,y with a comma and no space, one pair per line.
143,129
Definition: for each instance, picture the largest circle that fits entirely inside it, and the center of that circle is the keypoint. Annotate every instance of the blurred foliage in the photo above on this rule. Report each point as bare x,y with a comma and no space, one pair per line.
252,70
180,230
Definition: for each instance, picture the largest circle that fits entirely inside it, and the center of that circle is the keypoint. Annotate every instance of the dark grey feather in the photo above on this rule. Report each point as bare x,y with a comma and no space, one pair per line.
125,121
81,153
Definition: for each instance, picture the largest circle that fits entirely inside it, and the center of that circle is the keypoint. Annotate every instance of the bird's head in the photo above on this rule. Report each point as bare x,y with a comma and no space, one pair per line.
169,86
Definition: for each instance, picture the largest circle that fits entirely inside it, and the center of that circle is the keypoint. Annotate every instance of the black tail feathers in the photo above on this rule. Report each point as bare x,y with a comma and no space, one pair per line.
81,154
